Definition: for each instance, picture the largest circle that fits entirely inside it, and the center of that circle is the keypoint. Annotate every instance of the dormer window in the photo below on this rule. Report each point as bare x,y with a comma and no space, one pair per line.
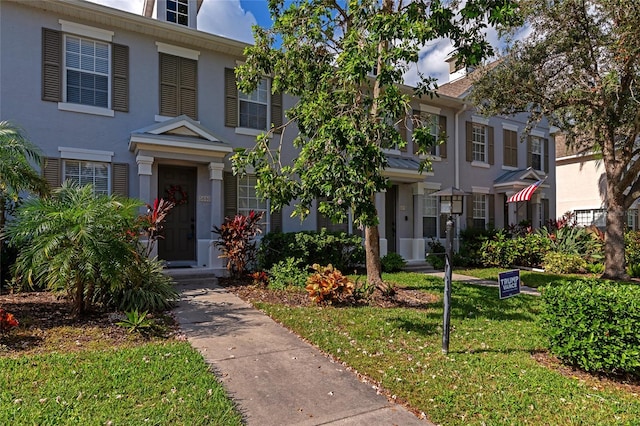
178,12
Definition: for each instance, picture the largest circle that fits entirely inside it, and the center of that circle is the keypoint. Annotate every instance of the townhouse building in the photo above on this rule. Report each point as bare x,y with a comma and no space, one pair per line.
146,106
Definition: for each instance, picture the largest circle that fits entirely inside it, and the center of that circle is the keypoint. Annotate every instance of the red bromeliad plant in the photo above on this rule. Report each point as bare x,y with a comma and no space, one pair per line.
237,241
7,321
152,222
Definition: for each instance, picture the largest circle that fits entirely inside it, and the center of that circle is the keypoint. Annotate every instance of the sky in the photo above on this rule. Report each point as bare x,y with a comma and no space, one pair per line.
234,19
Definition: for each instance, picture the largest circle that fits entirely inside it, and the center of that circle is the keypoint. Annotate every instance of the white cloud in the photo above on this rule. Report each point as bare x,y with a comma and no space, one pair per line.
223,17
431,63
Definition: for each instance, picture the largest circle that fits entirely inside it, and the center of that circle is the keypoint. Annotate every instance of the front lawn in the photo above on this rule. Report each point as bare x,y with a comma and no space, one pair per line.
155,383
497,370
528,278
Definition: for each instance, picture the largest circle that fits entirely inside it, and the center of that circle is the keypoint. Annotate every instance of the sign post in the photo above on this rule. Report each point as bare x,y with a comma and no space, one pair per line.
509,283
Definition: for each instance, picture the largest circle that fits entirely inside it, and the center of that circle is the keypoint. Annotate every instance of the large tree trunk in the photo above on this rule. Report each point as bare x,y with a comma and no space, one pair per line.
614,261
374,267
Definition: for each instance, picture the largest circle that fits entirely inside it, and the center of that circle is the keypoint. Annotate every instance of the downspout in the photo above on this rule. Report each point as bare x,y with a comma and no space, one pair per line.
456,168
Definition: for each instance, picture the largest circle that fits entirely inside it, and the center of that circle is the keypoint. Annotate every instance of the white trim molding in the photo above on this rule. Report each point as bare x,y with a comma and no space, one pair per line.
430,109
479,189
480,120
183,52
70,153
84,30
512,127
85,109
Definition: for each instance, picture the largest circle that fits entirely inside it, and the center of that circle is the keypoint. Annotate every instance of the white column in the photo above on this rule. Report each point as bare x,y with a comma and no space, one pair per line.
145,170
418,248
536,220
217,209
512,218
380,208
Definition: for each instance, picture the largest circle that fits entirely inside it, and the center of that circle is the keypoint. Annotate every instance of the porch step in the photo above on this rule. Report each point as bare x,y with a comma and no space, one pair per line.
418,267
192,276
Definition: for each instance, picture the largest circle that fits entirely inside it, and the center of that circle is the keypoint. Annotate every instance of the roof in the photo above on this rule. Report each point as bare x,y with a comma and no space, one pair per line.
460,87
402,163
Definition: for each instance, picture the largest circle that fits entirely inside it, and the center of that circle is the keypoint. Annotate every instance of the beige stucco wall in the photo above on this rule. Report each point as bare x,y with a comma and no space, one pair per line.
578,186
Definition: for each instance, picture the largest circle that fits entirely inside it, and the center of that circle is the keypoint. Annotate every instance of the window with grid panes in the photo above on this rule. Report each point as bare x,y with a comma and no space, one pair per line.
178,11
536,152
479,143
87,71
479,211
253,107
84,173
248,200
430,215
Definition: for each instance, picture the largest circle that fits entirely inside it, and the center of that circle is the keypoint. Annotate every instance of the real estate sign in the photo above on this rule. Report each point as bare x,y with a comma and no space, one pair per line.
509,283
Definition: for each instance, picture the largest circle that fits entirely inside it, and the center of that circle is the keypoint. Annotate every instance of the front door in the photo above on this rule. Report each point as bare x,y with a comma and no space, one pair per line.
178,184
390,205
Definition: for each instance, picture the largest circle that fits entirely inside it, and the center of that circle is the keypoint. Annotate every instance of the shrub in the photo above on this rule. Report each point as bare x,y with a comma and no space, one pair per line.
632,247
288,272
260,278
436,254
563,263
528,250
392,262
340,249
328,284
594,324
7,321
237,241
472,240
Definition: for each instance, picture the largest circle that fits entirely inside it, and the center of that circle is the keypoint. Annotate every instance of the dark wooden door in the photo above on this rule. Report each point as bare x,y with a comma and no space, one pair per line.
179,242
391,205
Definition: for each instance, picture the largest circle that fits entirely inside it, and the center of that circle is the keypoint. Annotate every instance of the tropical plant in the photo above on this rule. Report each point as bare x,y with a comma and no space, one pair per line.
237,241
288,272
17,174
392,262
7,321
345,64
137,322
74,241
579,68
152,222
328,284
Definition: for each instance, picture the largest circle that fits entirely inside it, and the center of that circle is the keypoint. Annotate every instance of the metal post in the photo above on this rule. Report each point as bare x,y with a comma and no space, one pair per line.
447,287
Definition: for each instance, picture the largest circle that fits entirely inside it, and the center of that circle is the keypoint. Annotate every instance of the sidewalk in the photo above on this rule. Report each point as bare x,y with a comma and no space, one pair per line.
274,376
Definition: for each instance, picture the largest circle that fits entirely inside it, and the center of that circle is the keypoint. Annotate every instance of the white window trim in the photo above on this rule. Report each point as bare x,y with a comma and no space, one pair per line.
248,131
109,170
542,146
480,190
480,164
69,153
509,168
477,163
430,109
183,52
86,31
537,133
81,108
511,127
480,120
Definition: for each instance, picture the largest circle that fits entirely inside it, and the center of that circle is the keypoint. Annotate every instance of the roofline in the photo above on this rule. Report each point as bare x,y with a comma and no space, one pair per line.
109,17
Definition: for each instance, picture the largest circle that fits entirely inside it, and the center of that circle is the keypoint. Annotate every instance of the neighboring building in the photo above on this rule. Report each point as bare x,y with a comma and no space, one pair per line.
148,107
579,168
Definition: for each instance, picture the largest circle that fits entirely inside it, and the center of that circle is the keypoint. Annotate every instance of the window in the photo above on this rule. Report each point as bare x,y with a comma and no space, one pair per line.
253,107
89,172
536,153
479,211
87,71
430,215
479,142
588,217
248,200
632,219
178,11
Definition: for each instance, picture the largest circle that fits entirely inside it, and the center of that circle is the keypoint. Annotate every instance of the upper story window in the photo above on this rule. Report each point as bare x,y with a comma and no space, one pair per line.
436,125
92,173
253,107
537,152
84,71
251,113
178,12
87,71
479,140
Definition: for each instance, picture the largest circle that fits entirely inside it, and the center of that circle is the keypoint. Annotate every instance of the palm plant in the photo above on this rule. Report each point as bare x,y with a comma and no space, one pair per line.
16,172
74,241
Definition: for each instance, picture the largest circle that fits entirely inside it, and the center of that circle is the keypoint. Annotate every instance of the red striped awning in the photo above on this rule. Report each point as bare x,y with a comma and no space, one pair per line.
525,194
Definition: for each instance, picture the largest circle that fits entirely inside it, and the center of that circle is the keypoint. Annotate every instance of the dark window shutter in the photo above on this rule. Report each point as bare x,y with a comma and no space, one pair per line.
545,211
120,179
276,111
230,98
469,137
52,171
120,85
168,85
230,195
276,221
530,212
529,158
51,65
492,209
491,145
469,212
510,152
188,88
546,155
442,130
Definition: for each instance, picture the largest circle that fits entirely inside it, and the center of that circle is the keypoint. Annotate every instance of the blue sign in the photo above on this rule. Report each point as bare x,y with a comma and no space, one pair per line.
509,283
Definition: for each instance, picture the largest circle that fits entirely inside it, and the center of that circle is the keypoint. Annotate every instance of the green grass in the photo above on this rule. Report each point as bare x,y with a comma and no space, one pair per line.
149,384
528,278
488,377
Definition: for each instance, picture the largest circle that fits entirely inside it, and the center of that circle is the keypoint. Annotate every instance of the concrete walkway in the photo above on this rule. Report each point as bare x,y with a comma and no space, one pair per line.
274,376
